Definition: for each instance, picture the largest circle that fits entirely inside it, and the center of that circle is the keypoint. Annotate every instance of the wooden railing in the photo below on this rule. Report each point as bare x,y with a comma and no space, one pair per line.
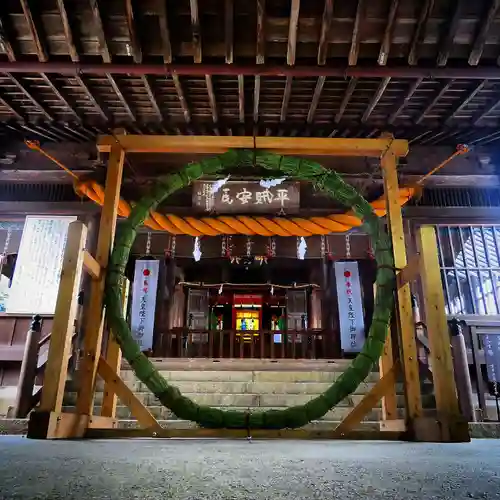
303,344
32,369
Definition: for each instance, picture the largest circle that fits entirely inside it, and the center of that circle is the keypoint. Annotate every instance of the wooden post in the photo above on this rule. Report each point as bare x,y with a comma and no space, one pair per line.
113,359
56,370
451,422
389,400
27,376
406,326
95,315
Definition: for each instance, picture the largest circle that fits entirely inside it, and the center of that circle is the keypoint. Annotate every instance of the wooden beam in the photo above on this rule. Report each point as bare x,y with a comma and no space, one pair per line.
485,112
229,30
286,98
68,33
121,97
256,99
164,31
419,32
447,405
444,88
326,22
113,361
315,99
127,396
195,26
45,112
482,32
56,368
151,97
285,145
6,33
385,47
241,97
478,86
211,98
36,29
449,31
103,44
375,99
57,91
369,401
356,34
406,327
292,32
134,39
91,266
410,272
261,39
386,364
13,108
81,83
95,317
345,100
182,98
411,90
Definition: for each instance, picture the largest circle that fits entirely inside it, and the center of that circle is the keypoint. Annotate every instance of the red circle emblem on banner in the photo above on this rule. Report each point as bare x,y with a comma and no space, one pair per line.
146,272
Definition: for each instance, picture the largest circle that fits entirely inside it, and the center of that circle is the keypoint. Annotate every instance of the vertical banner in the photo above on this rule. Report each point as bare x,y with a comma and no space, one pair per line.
491,344
352,325
142,316
35,283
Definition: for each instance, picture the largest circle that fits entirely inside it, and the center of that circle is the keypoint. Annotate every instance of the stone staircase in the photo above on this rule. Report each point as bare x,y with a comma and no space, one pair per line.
255,385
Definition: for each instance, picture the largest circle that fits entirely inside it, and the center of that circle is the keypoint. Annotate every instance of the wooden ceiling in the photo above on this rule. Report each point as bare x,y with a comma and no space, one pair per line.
425,69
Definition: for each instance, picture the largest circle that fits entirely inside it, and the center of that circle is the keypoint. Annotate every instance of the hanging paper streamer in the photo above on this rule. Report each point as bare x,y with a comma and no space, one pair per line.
269,183
352,325
301,248
196,250
144,302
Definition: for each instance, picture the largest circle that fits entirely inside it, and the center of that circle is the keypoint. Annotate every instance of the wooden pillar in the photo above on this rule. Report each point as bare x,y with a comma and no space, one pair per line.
452,426
56,369
406,326
95,320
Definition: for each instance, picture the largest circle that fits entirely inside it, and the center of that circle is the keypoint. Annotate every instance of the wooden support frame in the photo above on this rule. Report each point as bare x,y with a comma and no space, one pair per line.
50,422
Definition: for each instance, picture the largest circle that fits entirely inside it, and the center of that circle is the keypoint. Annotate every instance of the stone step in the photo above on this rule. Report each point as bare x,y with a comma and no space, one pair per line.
281,376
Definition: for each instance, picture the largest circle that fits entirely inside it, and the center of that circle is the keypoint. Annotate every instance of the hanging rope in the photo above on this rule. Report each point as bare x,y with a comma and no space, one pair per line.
243,224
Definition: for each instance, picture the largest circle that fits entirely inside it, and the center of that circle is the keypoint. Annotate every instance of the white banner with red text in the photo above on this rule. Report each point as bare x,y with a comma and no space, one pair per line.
142,315
350,301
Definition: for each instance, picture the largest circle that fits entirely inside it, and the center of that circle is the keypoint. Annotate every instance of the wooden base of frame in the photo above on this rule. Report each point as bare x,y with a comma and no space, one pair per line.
440,430
51,425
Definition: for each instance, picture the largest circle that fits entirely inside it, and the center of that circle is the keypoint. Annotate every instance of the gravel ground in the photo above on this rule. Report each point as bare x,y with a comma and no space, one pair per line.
218,469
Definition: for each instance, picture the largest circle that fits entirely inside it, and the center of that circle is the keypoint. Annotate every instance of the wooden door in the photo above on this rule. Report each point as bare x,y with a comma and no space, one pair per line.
296,310
198,313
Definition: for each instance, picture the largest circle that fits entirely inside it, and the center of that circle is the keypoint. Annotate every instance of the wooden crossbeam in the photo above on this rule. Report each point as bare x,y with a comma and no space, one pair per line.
127,396
229,30
292,32
411,90
385,47
195,27
164,32
68,33
54,87
444,88
482,33
81,83
315,99
152,99
369,401
478,87
419,32
345,100
134,39
35,28
286,98
449,31
282,145
121,97
91,265
45,112
356,34
376,98
326,22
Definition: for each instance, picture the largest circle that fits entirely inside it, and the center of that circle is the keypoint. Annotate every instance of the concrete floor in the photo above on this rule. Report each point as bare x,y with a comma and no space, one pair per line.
217,469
